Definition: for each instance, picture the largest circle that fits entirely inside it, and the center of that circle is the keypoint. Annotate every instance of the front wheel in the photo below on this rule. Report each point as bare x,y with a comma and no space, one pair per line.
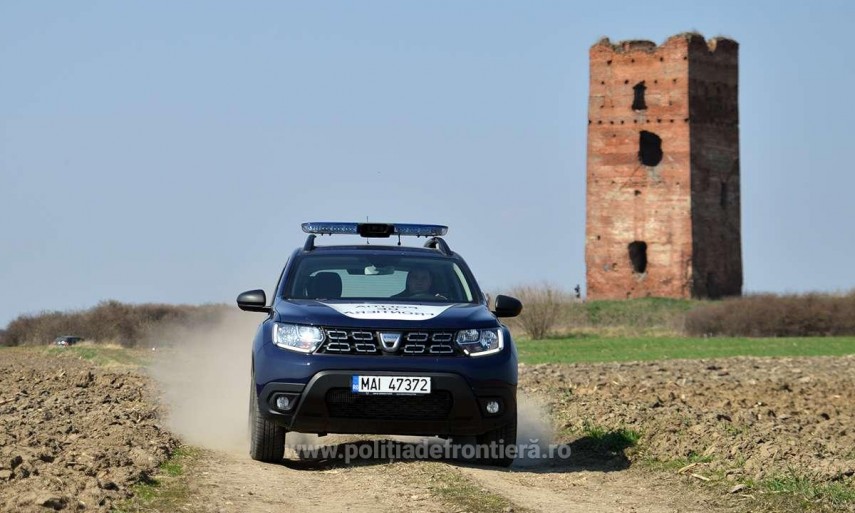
267,440
494,448
497,443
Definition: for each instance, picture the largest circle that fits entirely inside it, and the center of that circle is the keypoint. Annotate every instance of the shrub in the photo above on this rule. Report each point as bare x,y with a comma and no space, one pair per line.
543,306
768,315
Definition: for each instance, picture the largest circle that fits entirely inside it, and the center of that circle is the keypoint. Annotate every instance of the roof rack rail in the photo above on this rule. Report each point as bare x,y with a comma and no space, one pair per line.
438,243
310,243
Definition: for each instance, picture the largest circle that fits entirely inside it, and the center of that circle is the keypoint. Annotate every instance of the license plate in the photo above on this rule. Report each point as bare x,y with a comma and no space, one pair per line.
390,385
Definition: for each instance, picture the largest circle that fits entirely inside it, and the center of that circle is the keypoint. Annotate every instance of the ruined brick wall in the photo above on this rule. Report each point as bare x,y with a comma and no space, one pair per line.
714,139
659,141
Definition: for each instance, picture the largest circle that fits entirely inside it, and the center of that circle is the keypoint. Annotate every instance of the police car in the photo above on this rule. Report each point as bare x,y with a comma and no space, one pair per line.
382,339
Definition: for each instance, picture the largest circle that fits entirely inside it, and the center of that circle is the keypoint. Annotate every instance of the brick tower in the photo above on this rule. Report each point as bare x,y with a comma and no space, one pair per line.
663,206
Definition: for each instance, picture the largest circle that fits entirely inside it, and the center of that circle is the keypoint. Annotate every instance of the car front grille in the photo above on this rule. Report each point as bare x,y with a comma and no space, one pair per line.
413,343
343,403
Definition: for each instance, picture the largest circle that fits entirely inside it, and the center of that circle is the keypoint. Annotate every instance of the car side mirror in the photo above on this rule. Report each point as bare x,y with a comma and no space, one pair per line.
507,306
253,301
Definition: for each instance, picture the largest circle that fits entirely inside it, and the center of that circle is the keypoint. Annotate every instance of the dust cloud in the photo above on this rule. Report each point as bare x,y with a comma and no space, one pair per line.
534,427
204,375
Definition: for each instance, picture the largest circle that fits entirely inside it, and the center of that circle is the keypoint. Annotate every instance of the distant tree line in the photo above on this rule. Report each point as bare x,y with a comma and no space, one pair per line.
108,322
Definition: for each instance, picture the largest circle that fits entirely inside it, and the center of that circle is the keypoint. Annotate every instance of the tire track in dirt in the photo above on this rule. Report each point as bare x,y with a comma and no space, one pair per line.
575,490
221,482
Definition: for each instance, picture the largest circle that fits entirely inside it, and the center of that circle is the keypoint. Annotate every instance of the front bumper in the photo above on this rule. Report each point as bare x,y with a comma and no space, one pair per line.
326,405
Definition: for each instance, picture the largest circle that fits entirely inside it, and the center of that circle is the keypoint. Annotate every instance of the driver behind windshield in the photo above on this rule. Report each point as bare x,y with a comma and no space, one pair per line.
418,282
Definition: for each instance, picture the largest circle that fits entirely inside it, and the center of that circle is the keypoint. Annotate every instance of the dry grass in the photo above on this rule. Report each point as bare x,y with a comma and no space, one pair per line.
543,308
767,315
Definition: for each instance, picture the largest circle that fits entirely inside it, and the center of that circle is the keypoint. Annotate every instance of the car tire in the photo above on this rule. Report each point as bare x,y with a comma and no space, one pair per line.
267,440
501,438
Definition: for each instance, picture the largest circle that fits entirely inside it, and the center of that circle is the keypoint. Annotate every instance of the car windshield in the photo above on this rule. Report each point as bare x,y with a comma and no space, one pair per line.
394,277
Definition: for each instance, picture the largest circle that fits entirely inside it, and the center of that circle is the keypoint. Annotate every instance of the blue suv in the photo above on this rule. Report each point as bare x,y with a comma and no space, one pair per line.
382,339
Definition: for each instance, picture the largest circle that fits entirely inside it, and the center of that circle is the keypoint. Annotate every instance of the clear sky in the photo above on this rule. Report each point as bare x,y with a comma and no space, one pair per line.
167,151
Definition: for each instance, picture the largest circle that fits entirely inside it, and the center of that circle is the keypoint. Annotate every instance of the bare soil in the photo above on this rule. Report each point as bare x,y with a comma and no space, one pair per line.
748,418
76,437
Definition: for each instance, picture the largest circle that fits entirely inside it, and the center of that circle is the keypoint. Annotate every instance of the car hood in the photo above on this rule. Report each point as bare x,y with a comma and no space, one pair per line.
384,314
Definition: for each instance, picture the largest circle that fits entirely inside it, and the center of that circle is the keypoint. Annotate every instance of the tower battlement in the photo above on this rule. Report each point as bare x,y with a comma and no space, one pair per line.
694,39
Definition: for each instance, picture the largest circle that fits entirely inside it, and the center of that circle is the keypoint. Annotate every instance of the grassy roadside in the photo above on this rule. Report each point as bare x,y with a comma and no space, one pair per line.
789,492
794,492
607,349
166,491
458,492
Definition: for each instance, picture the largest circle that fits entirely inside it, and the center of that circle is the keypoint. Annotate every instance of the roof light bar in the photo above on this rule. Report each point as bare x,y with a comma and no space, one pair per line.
421,230
378,230
330,228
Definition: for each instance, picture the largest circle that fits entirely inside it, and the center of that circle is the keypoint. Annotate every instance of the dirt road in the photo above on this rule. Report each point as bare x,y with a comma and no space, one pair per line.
227,482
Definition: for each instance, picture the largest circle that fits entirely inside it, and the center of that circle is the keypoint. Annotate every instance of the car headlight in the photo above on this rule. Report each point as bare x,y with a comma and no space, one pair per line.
480,342
304,339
